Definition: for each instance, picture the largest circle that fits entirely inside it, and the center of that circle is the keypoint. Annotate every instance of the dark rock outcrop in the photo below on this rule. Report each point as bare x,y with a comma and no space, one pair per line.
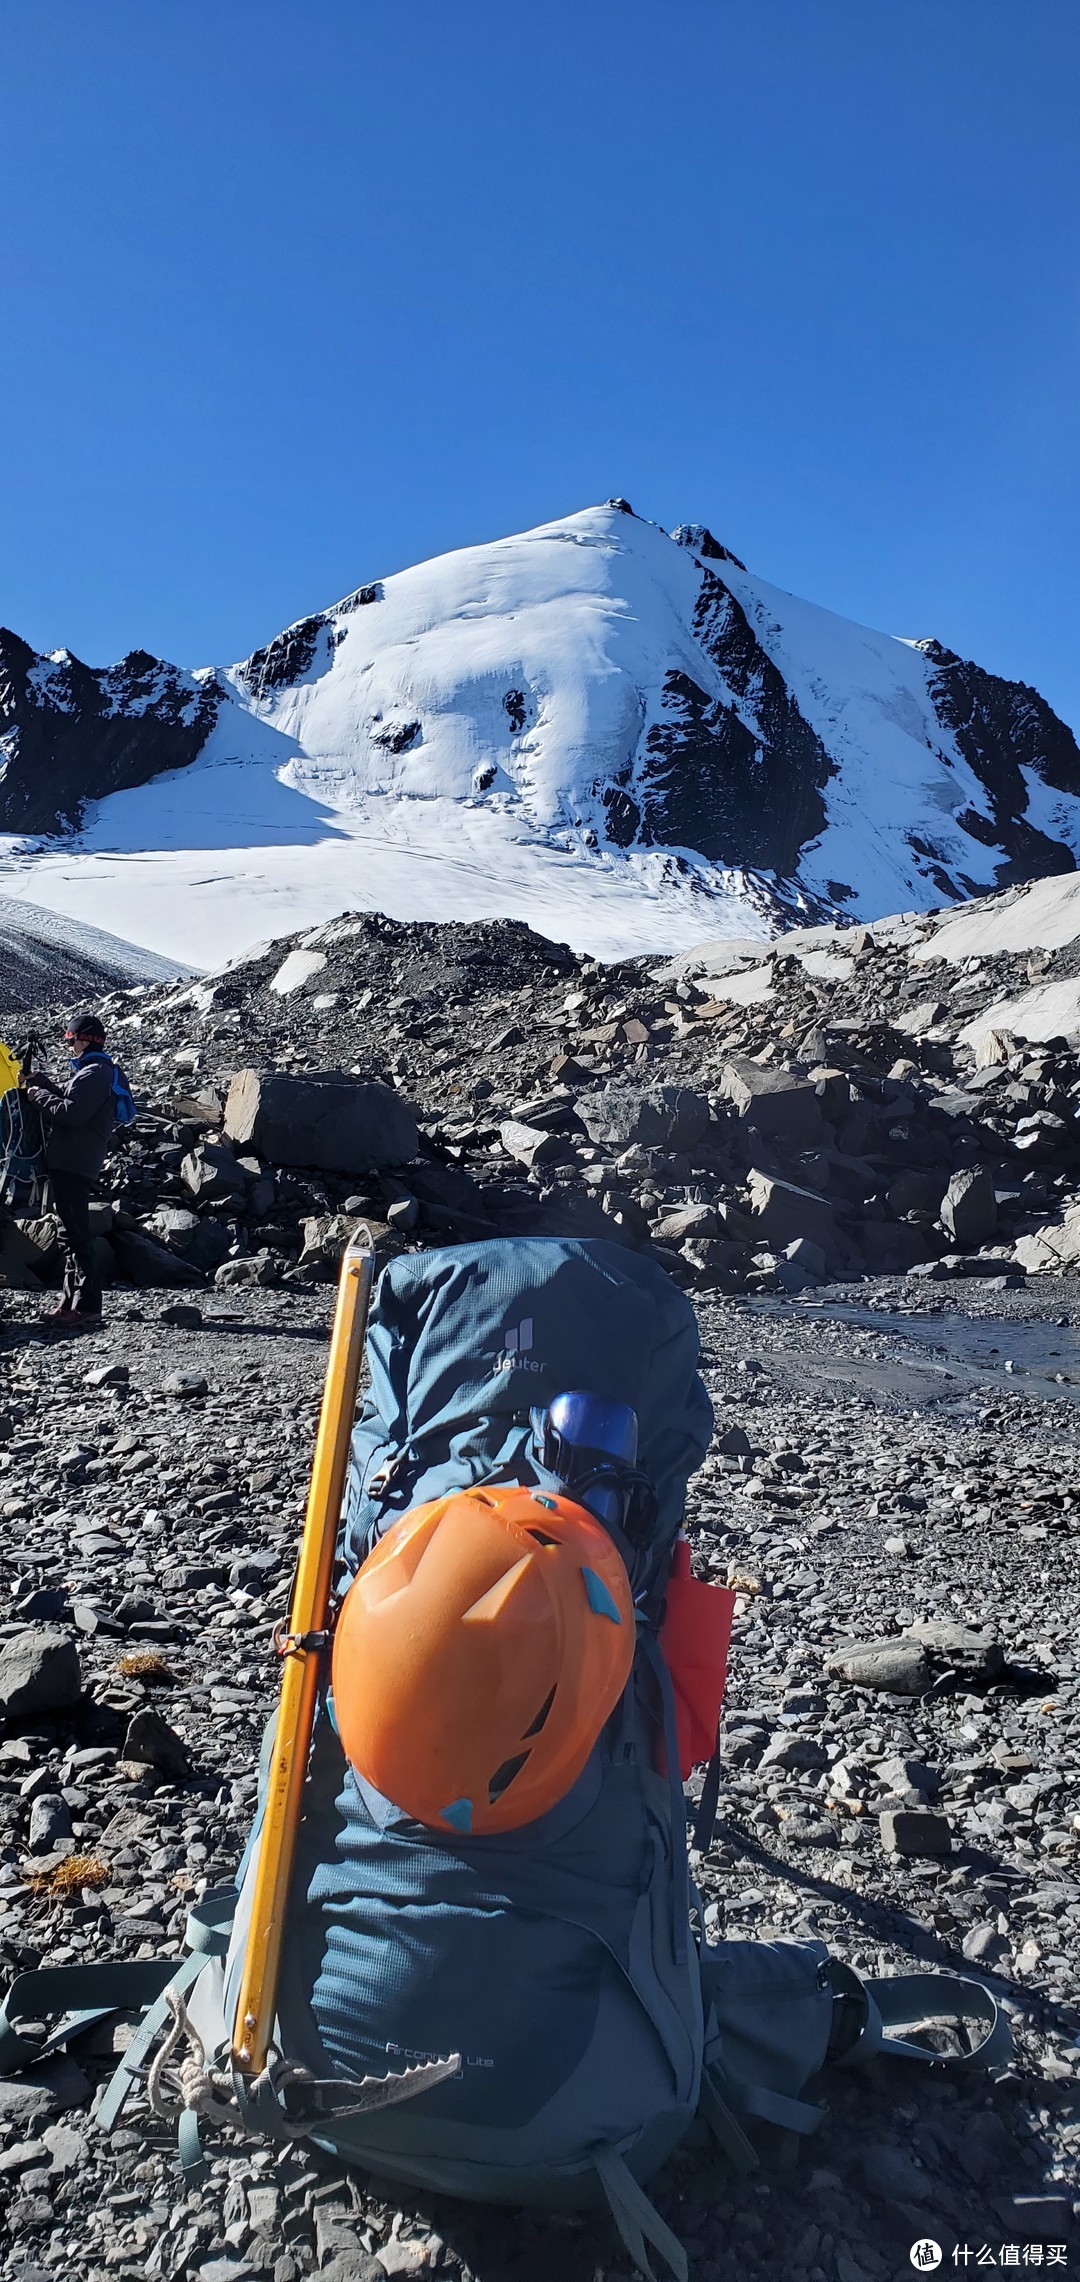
740,778
1003,727
70,733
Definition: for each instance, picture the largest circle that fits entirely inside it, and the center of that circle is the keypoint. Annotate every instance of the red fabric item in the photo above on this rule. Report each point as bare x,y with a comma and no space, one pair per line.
694,1641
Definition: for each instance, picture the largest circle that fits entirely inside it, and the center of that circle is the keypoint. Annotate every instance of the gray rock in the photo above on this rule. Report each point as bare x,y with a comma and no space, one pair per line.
774,1102
969,1207
181,1318
783,1213
327,1235
916,1190
257,1268
196,1237
66,2146
653,1117
962,1648
212,1174
50,1822
689,1220
907,1775
909,1830
335,1123
351,2266
39,1672
1036,2218
142,1261
894,2176
794,1754
901,1667
530,1144
185,1386
984,1945
151,1741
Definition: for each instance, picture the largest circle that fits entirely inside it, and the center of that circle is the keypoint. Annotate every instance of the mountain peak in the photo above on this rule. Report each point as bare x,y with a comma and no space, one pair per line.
618,733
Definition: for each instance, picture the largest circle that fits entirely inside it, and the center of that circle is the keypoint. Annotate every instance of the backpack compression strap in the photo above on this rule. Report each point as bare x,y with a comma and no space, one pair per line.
638,2220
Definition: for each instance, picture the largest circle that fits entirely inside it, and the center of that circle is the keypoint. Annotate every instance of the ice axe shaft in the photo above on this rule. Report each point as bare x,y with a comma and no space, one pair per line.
257,2006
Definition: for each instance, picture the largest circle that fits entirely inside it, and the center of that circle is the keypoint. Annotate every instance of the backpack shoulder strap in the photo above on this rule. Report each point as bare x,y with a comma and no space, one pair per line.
902,2000
81,1993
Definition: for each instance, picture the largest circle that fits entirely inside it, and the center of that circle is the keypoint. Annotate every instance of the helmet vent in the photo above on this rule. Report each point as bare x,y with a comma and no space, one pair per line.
504,1776
541,1716
542,1537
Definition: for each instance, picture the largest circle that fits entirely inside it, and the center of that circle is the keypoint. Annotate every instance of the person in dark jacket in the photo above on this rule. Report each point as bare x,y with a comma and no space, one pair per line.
79,1120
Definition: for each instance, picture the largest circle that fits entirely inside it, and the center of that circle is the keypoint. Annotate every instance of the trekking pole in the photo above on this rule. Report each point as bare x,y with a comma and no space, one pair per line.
303,1649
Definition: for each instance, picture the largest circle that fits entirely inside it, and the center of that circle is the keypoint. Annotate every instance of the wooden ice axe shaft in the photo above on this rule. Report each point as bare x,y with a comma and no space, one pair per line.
257,2005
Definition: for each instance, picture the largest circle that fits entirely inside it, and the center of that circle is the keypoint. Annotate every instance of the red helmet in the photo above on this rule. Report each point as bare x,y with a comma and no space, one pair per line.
478,1653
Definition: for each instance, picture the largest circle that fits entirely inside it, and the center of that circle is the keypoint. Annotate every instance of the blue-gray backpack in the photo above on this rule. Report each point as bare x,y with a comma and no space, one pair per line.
533,2017
125,1107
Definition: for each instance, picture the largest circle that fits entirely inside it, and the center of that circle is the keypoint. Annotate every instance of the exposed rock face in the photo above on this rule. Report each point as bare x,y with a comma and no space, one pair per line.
291,655
71,733
1002,728
740,779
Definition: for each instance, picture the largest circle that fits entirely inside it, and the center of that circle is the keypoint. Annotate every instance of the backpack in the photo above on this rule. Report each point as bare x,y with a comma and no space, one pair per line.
125,1107
22,1144
534,2016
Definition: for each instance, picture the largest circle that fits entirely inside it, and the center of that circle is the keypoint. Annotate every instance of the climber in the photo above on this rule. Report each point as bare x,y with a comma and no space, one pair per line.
79,1121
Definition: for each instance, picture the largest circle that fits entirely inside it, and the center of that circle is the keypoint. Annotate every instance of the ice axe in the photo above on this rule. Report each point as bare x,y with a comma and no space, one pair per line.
303,1648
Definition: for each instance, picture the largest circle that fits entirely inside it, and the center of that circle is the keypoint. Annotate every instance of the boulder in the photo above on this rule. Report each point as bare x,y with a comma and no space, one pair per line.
968,1649
142,1261
44,1235
326,1235
23,1264
334,1123
776,1104
212,1175
195,1237
916,1190
686,1221
900,1667
39,1672
654,1117
255,1268
50,1822
969,1207
151,1742
887,1248
530,1144
1056,1245
915,1830
782,1213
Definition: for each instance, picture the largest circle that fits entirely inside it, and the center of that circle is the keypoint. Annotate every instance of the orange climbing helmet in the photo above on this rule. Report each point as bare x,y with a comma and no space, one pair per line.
478,1653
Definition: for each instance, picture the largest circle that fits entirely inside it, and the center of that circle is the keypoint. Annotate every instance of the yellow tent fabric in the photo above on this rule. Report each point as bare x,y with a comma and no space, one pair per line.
9,1069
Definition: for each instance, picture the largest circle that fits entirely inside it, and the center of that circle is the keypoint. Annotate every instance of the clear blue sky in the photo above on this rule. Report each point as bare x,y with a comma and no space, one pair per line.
295,292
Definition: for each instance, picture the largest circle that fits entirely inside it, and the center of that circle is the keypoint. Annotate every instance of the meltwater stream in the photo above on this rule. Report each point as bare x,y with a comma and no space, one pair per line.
998,1353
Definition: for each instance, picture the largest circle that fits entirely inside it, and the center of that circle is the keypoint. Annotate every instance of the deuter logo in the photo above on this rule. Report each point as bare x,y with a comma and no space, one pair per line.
517,1342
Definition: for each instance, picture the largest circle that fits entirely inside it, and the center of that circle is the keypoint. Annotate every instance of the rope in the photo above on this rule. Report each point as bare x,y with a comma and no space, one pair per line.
206,2090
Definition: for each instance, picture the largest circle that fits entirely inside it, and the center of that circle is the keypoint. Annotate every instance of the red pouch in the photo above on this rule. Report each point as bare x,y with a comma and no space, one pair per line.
694,1640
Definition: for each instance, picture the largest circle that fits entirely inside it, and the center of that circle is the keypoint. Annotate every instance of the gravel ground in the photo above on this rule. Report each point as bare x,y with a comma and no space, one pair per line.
874,1467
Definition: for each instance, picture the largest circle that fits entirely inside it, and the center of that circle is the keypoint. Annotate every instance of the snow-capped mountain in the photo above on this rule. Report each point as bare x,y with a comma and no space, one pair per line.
621,735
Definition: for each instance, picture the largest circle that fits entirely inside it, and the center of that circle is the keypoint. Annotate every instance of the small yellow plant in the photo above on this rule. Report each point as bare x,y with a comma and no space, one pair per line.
70,1876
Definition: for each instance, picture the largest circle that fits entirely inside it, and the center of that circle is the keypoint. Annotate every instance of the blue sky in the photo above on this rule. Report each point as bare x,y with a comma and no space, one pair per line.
294,295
